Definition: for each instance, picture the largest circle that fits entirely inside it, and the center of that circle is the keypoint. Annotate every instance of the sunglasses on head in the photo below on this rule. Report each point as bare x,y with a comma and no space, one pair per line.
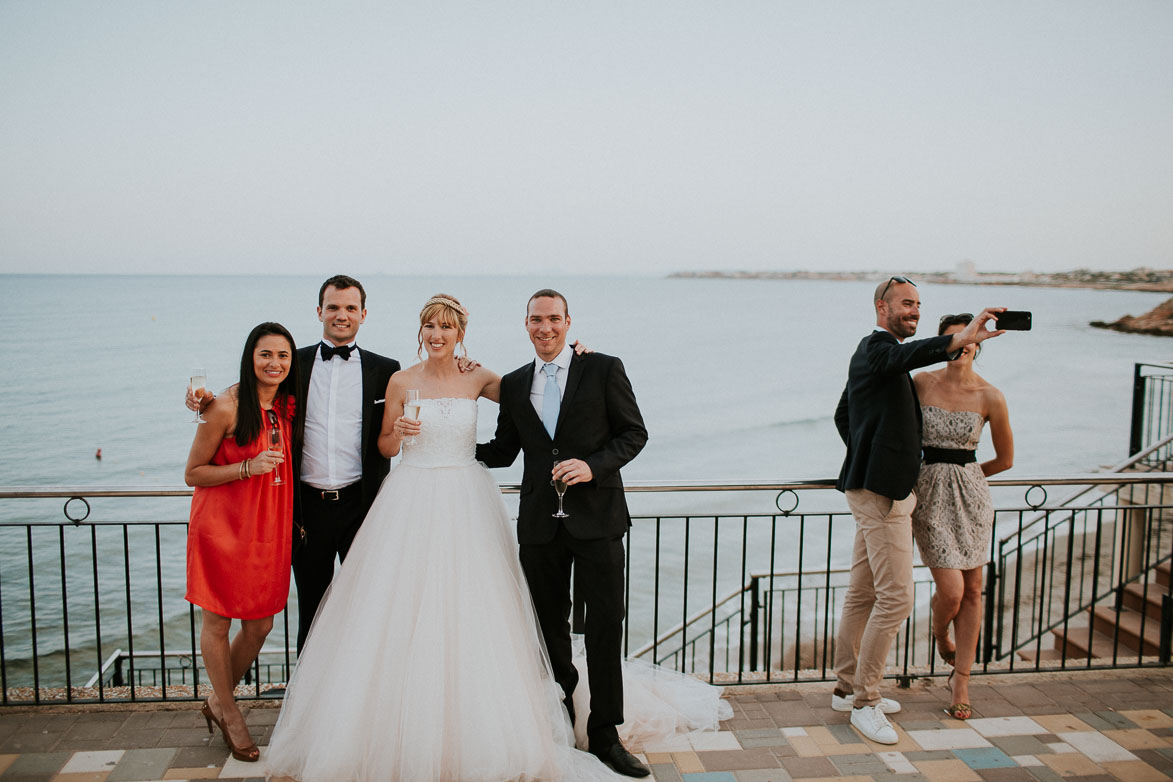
961,317
897,279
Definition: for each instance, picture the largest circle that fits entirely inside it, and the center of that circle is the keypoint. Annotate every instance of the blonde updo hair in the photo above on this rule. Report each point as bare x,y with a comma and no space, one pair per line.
449,311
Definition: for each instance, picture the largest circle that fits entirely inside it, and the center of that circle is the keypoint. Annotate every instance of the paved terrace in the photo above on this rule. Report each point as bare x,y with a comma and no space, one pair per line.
1088,726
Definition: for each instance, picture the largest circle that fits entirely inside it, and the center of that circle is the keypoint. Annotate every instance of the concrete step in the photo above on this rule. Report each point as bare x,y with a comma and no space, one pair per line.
1105,620
1078,641
1163,573
1140,597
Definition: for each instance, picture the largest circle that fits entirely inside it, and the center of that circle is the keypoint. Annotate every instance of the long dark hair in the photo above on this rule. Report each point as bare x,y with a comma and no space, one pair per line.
249,416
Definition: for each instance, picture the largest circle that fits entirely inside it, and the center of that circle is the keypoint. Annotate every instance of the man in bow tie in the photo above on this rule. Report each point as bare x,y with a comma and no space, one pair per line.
575,419
339,468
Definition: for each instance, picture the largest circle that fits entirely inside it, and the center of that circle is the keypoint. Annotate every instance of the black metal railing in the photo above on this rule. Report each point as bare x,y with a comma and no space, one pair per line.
92,609
1152,410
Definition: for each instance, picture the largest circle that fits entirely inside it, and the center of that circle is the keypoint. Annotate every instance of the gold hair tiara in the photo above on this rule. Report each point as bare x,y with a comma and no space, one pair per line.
447,301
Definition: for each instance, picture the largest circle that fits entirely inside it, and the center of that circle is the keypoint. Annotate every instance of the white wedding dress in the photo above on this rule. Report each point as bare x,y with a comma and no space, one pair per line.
424,661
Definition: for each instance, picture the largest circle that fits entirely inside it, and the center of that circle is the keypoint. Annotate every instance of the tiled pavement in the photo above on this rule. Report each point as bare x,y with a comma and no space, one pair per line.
1089,726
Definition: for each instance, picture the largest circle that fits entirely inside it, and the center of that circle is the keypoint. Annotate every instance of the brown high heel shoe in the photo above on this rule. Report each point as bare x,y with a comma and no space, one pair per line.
249,754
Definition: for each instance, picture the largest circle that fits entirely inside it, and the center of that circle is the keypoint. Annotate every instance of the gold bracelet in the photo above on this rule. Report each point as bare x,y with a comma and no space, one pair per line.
248,468
240,472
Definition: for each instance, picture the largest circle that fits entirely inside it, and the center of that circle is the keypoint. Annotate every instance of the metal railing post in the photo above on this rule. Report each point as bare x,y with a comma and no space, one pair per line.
1136,435
990,607
1166,628
754,610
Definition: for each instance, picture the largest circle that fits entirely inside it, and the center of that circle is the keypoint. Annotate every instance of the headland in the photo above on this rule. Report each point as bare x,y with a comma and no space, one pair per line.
1141,279
1157,322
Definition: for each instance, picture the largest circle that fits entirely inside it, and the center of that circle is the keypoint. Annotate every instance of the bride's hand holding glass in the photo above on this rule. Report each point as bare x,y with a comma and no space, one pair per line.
406,429
407,426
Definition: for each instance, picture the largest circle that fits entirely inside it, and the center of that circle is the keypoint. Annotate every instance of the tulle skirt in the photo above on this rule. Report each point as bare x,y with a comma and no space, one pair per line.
425,662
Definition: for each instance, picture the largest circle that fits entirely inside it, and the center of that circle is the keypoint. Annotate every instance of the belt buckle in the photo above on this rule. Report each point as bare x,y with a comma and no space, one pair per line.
327,492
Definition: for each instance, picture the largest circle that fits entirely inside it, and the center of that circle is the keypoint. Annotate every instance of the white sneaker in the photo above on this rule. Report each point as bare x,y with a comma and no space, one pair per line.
844,703
871,722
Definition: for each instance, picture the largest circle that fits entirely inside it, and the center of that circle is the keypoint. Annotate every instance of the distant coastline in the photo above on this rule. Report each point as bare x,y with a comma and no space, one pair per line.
1157,280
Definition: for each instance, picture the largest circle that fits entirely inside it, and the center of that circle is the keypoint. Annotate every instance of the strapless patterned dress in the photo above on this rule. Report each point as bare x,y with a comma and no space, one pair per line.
425,661
954,515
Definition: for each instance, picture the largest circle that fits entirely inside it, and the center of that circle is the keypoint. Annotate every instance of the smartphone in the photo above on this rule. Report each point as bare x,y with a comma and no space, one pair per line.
1014,320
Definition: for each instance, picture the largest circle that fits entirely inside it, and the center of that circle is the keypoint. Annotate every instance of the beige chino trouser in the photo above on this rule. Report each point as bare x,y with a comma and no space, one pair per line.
880,593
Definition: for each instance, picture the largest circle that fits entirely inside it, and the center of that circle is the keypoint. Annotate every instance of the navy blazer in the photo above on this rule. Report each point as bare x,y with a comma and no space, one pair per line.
376,372
599,422
879,416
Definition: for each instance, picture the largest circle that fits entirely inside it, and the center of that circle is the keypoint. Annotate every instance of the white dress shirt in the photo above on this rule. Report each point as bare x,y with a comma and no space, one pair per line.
537,392
331,450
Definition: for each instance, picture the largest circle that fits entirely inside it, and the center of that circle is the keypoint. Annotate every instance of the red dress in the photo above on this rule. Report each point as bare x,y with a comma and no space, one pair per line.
239,535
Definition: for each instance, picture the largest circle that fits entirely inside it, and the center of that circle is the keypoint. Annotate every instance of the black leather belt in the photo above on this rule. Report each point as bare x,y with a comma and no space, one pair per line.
949,455
336,495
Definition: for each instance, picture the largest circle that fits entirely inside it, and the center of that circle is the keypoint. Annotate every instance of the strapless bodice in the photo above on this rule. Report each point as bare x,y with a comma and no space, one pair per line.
951,428
448,434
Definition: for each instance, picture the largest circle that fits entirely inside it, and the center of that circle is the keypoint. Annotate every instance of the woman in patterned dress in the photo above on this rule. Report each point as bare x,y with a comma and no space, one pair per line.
954,516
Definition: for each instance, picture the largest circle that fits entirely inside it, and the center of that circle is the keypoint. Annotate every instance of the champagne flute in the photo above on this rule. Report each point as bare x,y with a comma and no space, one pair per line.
199,381
411,409
559,489
275,445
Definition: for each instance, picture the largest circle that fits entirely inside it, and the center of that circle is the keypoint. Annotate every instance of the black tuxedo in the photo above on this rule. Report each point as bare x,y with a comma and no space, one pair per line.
599,422
330,526
879,416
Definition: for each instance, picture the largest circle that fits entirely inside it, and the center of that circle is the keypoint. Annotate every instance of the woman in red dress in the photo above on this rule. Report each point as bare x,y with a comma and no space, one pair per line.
239,534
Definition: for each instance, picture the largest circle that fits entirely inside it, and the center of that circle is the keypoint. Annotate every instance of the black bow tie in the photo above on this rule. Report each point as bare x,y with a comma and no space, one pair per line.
343,351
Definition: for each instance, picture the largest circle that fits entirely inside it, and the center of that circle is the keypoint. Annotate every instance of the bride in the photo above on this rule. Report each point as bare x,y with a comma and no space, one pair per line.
424,661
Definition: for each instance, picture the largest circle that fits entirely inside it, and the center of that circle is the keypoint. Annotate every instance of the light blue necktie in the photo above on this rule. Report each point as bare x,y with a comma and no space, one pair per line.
551,399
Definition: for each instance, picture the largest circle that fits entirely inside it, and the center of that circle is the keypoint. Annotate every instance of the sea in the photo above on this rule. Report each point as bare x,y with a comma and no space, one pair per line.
737,380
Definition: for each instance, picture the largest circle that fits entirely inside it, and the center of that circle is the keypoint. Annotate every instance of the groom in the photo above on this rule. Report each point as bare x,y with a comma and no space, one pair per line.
576,419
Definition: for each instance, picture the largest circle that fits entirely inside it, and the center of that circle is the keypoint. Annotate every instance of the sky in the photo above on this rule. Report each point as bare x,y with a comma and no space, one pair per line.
601,137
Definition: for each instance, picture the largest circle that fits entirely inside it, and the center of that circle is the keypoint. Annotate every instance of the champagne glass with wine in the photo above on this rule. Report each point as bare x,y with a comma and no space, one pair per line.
199,381
274,435
560,490
411,409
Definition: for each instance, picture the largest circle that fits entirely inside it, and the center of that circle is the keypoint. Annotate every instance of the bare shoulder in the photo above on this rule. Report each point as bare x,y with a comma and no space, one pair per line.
925,380
223,412
991,397
482,376
403,378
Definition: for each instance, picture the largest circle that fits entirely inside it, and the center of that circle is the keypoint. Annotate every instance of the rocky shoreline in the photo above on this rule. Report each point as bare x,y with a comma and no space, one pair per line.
1142,279
1157,322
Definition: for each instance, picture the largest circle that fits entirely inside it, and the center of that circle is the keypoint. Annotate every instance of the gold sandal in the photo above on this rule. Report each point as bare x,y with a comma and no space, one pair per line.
958,711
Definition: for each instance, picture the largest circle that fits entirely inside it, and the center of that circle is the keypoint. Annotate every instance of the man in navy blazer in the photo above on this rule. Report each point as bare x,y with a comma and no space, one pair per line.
879,419
574,418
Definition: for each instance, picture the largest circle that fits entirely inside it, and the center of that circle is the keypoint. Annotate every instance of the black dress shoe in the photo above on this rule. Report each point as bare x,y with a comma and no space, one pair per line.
620,760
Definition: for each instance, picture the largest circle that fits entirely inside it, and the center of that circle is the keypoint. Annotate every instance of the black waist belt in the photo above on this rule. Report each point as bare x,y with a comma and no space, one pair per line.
333,495
949,455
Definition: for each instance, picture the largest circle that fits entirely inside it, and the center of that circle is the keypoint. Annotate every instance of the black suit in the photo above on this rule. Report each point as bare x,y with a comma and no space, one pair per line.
599,422
329,525
879,416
